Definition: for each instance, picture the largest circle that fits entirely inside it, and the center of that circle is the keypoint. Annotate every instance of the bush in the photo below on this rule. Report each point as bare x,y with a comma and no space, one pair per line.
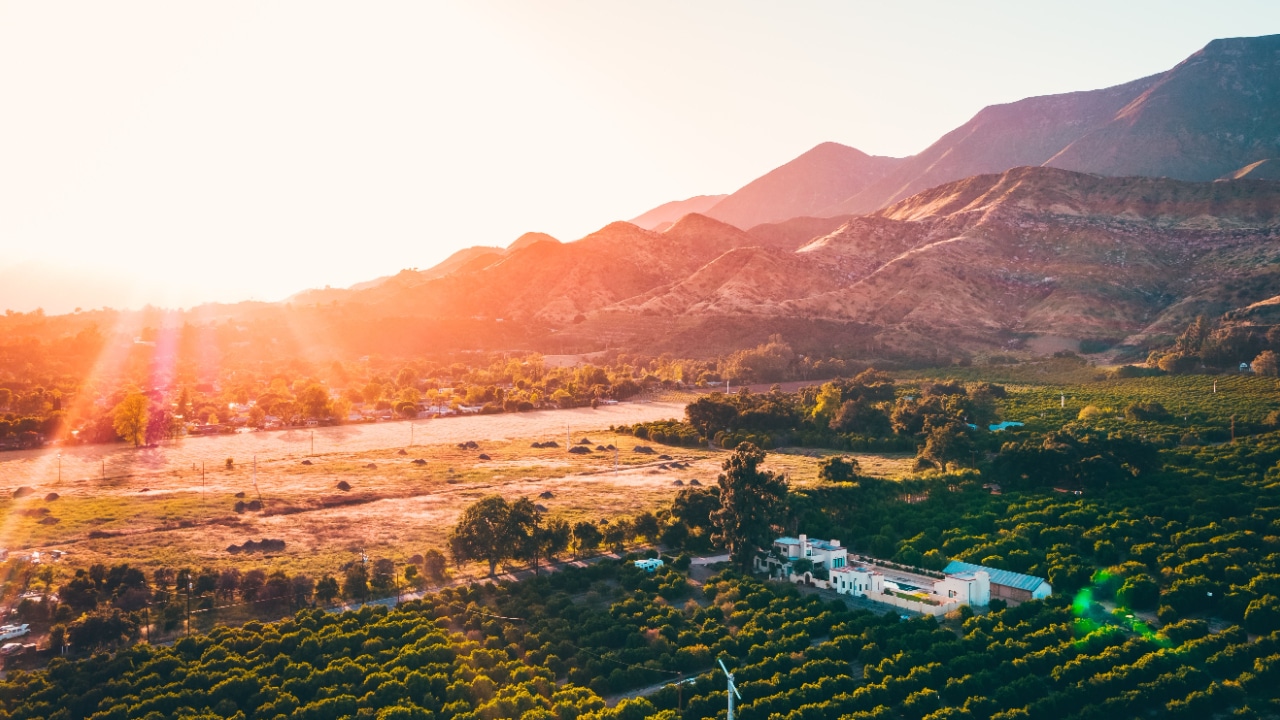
1263,615
1266,364
839,469
1139,592
1135,371
1146,411
1093,412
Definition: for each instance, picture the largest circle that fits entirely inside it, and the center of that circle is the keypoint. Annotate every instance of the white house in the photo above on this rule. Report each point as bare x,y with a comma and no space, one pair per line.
825,563
859,580
967,588
802,558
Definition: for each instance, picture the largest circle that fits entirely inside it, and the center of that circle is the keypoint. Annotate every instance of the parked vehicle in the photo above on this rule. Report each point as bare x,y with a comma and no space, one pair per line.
9,632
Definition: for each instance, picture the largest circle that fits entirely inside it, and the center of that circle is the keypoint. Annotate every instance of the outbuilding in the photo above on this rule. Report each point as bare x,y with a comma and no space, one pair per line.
1006,585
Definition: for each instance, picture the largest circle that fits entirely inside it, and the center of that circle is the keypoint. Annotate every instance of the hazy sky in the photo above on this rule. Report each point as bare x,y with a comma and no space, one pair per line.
178,152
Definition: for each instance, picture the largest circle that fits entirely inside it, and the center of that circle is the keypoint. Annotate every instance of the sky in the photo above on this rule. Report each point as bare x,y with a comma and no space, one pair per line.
173,153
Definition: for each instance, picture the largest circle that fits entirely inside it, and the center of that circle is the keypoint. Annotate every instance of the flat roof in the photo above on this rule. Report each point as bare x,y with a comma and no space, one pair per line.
857,568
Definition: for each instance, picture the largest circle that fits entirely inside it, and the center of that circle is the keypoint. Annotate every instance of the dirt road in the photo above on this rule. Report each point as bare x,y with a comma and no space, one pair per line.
34,467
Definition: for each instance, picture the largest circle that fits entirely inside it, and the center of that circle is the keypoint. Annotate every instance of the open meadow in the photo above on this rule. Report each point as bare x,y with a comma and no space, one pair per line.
351,495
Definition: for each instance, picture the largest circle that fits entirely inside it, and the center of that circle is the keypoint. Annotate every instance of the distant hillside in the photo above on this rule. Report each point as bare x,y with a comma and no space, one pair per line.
1040,251
528,239
551,282
1212,114
989,261
805,186
995,259
999,137
663,216
465,260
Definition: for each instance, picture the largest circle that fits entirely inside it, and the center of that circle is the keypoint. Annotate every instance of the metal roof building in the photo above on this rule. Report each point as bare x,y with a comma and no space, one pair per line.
1005,584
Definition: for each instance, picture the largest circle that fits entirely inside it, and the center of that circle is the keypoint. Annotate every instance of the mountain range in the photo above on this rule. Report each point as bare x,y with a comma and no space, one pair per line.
1214,115
987,261
1114,215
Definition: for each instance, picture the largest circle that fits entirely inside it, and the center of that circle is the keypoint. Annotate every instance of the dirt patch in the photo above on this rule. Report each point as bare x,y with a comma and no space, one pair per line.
106,464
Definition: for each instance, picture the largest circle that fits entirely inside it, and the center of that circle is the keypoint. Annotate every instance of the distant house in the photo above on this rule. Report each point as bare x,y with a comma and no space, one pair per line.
1006,585
650,564
206,429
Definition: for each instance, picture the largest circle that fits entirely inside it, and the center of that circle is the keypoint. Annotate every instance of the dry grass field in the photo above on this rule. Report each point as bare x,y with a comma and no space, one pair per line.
177,516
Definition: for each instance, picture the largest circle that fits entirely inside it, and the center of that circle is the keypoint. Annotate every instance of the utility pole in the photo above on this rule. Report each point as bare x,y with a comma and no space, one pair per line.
536,538
680,691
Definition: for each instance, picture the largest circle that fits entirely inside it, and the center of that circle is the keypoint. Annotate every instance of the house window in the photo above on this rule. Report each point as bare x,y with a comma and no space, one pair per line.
951,593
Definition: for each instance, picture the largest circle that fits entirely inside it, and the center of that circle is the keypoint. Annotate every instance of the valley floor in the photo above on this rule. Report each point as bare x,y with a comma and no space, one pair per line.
397,502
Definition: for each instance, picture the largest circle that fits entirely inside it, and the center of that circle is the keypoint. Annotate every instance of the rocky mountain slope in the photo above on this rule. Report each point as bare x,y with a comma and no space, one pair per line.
984,262
1040,251
555,283
806,186
1216,114
1114,214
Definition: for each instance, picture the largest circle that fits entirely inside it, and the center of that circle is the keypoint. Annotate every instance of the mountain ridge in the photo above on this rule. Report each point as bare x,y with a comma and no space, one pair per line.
1030,219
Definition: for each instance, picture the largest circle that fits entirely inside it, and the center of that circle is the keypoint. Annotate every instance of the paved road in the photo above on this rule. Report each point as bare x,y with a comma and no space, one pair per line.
35,467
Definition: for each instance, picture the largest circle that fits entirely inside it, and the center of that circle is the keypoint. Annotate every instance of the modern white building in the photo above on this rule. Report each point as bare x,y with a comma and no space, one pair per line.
857,579
825,563
802,558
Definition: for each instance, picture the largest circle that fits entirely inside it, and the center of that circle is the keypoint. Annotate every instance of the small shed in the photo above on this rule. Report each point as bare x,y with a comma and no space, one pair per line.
649,564
1006,585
